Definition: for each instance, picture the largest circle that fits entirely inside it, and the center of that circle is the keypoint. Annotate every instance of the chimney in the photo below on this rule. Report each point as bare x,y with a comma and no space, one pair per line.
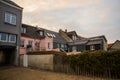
65,30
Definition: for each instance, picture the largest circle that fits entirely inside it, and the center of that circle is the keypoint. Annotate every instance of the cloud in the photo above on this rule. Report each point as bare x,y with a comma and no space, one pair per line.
87,17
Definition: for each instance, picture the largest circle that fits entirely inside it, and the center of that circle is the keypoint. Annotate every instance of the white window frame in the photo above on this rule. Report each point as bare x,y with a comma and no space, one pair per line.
74,49
92,47
41,33
23,30
6,37
74,37
62,45
23,43
11,16
10,38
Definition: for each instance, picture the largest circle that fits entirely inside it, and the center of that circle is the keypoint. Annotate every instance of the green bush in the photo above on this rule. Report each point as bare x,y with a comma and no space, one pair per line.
99,61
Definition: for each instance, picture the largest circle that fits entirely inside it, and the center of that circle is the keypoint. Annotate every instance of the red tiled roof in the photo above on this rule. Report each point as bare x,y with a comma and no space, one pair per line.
109,45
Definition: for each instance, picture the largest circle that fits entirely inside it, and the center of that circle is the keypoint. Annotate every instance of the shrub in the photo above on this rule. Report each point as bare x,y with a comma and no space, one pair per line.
100,61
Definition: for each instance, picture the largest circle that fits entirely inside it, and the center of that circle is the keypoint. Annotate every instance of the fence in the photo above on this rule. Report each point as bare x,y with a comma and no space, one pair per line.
77,70
104,70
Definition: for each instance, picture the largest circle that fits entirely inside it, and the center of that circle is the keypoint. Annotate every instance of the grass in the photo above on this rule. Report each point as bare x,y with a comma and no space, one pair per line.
18,73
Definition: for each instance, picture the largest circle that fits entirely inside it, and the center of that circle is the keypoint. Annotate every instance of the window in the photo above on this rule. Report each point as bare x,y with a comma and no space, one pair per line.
37,46
30,42
92,47
3,37
74,37
10,18
12,38
65,46
23,30
74,49
22,43
48,45
41,33
58,45
62,45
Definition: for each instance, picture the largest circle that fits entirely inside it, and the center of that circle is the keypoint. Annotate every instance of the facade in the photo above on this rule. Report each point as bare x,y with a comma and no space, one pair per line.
60,41
34,39
114,46
10,24
79,43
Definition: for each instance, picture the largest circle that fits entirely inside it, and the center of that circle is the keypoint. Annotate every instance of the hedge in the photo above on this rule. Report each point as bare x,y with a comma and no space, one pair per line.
45,52
99,61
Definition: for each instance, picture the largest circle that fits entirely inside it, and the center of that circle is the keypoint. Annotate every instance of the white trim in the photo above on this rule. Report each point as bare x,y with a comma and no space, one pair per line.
74,49
11,5
41,33
11,16
10,37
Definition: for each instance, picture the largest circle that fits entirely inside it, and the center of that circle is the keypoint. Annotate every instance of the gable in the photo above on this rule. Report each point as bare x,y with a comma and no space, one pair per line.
115,46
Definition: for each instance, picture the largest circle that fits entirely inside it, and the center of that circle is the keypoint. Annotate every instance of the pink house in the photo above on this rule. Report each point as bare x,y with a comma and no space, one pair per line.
33,39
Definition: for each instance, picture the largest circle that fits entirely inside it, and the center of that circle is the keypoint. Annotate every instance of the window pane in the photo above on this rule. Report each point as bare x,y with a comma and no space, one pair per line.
62,45
10,18
7,18
74,49
41,33
92,47
48,45
23,30
13,21
29,42
12,38
22,43
3,36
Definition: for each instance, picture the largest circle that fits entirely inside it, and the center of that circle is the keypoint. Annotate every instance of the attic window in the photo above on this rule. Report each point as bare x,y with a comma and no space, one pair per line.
54,35
50,35
41,33
74,37
23,30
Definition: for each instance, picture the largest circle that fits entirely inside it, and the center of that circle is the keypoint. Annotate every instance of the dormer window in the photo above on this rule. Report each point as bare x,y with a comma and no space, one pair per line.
74,37
23,30
41,33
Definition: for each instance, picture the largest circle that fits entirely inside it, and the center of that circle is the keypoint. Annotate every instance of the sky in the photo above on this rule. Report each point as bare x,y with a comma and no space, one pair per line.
87,17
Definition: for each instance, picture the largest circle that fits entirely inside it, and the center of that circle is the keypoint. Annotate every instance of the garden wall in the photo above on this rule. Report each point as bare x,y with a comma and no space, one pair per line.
41,61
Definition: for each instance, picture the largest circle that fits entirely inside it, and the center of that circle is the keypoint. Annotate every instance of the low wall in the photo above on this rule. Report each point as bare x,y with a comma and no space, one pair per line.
41,61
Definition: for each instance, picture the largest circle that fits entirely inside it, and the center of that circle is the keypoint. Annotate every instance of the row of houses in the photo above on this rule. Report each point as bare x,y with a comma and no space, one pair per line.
17,38
40,39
